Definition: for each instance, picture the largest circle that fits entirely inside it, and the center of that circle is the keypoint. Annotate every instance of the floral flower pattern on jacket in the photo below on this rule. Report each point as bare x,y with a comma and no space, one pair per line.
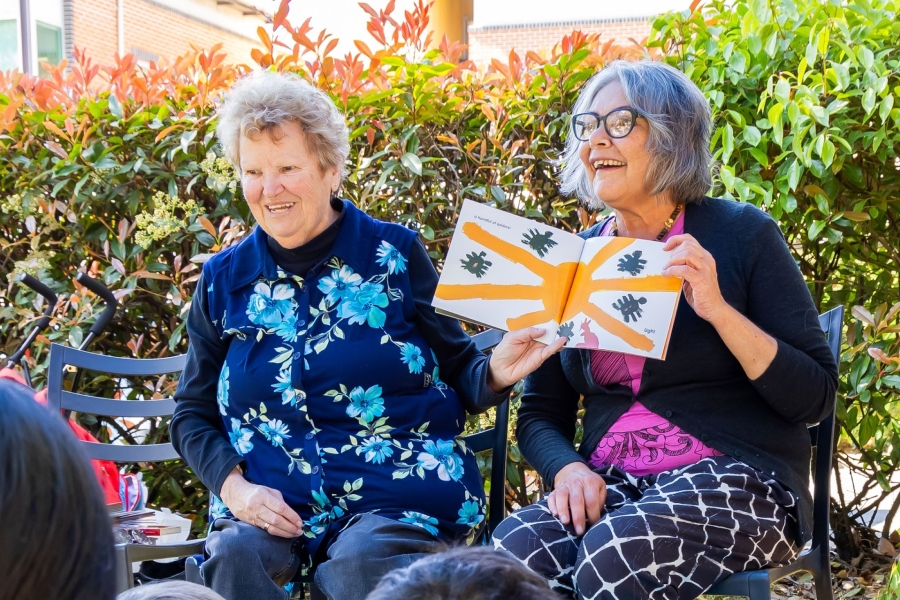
347,301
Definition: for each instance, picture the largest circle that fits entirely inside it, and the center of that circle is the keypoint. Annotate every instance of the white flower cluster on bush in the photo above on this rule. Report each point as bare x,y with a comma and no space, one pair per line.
220,174
164,220
34,263
12,205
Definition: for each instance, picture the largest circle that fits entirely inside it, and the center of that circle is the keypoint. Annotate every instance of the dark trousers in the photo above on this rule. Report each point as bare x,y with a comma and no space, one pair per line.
670,536
246,563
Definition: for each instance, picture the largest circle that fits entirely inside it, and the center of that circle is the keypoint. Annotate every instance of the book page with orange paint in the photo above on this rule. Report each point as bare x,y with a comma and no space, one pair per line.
509,272
620,300
506,271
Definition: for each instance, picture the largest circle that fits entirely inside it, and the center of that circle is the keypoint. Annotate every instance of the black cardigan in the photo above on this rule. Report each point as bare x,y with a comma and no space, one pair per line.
700,386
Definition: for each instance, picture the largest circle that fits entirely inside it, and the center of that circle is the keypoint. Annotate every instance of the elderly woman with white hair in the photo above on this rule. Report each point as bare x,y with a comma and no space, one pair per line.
323,399
697,466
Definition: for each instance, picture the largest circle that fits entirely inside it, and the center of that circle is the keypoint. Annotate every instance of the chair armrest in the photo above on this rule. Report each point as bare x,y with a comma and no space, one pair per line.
141,552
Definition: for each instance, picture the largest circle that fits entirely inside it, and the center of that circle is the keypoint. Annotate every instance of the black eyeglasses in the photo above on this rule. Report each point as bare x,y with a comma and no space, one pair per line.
618,123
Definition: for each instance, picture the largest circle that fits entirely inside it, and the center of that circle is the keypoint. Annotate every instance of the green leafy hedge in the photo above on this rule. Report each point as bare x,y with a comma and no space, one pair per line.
806,97
115,171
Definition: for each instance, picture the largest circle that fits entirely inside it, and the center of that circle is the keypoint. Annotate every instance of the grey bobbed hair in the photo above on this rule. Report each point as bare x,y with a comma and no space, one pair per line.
680,128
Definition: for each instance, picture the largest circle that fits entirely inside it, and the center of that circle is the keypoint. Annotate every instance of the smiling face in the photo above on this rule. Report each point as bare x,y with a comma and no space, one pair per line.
288,193
617,168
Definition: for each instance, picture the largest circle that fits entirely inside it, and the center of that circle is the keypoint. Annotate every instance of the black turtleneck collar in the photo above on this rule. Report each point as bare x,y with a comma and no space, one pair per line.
299,260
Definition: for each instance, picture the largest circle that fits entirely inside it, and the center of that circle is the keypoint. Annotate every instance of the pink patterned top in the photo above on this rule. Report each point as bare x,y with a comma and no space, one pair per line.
641,442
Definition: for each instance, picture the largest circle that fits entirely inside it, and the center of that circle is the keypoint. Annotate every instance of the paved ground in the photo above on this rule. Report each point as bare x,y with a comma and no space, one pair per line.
853,482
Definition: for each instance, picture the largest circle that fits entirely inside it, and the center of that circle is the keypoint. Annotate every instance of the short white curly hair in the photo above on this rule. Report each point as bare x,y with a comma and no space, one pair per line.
263,100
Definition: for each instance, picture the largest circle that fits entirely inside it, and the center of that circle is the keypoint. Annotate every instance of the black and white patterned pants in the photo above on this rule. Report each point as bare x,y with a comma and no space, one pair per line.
663,537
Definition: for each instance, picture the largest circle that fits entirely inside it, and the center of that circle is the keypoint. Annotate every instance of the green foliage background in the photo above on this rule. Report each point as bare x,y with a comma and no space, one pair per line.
805,98
803,95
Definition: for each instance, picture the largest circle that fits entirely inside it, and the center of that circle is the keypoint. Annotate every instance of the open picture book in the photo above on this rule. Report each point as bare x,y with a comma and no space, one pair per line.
606,293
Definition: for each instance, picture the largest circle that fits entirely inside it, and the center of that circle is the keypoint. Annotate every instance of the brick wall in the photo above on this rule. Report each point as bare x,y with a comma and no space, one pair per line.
152,31
94,29
486,43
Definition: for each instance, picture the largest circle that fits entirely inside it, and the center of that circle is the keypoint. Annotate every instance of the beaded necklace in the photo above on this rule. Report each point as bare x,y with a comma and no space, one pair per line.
614,230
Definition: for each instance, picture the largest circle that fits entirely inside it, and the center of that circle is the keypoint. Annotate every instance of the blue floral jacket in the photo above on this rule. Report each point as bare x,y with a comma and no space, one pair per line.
328,391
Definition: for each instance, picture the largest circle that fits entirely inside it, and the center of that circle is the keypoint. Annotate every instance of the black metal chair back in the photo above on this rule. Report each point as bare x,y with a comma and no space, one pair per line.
58,398
494,439
756,585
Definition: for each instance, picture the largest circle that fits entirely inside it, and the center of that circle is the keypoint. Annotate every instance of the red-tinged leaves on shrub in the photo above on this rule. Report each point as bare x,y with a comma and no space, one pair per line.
56,149
280,14
515,67
364,48
533,57
263,60
207,225
861,313
606,46
117,265
882,357
313,68
52,127
165,132
134,344
123,230
327,67
331,46
372,12
376,30
500,67
300,35
264,38
142,274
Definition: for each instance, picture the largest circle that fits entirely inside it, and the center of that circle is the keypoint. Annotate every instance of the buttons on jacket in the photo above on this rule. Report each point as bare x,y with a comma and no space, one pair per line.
738,453
309,436
668,414
704,437
315,469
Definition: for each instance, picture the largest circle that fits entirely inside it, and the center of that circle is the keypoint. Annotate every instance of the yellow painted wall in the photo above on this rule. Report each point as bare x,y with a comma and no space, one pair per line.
448,17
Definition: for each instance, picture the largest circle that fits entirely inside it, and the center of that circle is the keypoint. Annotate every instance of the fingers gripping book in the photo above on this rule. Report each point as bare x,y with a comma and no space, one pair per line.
605,293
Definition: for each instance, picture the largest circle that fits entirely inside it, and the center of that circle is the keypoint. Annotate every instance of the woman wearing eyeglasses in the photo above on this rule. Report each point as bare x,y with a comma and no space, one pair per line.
694,467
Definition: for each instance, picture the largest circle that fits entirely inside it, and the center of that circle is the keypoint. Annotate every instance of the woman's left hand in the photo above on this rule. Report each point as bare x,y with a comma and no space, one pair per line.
698,269
517,355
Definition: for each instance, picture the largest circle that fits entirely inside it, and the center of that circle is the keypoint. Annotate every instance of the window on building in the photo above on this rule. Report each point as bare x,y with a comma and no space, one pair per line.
9,44
49,46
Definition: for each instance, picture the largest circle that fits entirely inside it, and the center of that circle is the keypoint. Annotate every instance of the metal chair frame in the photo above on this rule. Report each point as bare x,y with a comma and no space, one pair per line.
753,584
59,399
757,584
